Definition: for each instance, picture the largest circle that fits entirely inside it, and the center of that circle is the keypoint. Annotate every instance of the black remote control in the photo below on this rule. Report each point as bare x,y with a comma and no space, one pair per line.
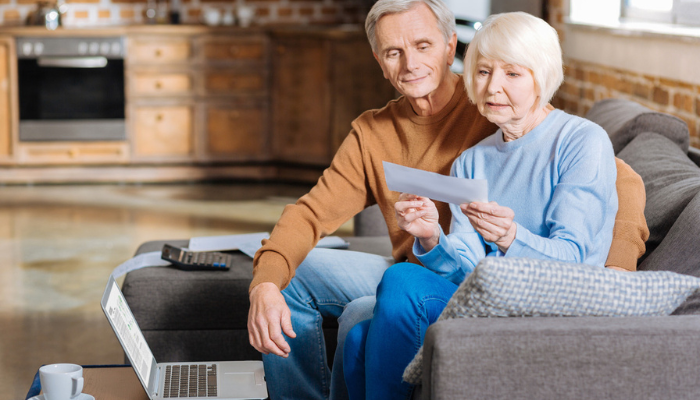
196,260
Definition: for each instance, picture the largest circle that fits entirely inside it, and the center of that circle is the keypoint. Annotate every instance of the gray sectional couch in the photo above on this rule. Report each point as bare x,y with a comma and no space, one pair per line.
189,316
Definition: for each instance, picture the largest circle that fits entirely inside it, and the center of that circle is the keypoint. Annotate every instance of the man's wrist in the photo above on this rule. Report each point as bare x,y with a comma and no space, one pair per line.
262,286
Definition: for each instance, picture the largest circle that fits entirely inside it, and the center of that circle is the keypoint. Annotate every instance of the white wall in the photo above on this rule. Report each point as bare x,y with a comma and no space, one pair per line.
470,9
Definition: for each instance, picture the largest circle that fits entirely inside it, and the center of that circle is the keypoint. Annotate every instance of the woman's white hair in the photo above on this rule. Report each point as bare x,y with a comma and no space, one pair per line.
521,39
445,16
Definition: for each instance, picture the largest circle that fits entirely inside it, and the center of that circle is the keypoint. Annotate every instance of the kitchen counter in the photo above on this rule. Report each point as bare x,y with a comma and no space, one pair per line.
203,103
337,31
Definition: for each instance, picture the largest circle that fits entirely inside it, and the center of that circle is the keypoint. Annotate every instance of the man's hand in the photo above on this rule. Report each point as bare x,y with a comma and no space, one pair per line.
419,217
268,316
493,222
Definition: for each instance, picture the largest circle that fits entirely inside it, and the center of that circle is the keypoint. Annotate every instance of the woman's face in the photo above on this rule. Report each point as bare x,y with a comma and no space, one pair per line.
505,93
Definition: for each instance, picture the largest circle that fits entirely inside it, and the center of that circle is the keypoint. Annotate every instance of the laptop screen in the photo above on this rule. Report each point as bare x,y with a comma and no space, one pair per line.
128,332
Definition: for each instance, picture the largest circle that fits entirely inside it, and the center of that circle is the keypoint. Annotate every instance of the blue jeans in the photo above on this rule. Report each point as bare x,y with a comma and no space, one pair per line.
409,299
329,283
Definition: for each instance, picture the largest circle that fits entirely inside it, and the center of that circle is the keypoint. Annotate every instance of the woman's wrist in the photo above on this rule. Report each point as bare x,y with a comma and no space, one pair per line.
429,243
505,242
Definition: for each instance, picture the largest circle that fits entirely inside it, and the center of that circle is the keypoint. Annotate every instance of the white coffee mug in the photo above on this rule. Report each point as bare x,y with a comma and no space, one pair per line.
61,381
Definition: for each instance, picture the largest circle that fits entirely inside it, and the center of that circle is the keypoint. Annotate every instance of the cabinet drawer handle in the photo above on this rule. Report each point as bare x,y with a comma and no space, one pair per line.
234,115
72,153
281,49
158,85
234,50
159,117
158,53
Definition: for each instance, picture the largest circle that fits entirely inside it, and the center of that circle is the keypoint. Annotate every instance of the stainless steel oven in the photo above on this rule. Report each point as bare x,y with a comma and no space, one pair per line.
71,88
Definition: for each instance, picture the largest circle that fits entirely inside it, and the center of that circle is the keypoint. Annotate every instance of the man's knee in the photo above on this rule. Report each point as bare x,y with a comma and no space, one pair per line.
356,311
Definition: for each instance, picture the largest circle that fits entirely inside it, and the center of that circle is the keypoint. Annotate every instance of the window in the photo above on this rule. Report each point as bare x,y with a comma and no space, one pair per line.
685,12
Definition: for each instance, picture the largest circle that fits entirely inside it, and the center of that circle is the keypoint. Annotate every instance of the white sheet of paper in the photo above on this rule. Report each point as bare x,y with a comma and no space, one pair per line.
226,242
250,243
150,259
434,186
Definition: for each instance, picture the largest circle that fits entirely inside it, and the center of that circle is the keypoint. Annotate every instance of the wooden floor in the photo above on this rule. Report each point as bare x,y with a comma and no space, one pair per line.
58,245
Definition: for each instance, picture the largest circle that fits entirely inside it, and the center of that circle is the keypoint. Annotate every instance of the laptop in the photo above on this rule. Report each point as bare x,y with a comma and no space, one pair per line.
230,380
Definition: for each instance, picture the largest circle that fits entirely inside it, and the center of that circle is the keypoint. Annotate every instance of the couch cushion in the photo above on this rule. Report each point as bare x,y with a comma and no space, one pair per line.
679,251
522,287
624,120
671,180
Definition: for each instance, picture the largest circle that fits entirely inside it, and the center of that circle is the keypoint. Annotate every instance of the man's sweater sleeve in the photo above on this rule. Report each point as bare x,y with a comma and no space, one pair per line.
339,194
630,232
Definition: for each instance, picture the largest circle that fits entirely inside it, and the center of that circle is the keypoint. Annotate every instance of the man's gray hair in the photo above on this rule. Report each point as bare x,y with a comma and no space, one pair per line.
445,17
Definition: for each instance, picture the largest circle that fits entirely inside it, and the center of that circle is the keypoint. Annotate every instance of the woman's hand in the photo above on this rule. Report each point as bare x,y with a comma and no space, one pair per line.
419,217
493,222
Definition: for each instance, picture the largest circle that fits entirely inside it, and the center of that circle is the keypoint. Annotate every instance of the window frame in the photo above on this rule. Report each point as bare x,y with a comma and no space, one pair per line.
683,12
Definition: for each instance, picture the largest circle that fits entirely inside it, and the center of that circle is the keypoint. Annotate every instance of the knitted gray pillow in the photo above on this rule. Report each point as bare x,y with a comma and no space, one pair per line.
523,287
623,120
671,181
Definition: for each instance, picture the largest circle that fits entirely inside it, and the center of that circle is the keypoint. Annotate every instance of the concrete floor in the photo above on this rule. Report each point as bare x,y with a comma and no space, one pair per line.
58,245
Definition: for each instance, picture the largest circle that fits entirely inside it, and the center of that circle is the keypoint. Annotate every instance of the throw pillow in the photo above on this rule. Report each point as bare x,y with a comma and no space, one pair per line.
624,120
671,181
523,287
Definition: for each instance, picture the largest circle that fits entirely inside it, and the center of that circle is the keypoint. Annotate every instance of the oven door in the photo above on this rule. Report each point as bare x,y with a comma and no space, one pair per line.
71,98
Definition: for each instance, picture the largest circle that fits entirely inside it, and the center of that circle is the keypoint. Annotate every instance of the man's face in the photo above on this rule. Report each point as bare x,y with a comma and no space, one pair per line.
412,51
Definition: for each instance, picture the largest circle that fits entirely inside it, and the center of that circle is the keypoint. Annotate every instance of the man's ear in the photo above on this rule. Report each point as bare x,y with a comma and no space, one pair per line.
376,57
452,45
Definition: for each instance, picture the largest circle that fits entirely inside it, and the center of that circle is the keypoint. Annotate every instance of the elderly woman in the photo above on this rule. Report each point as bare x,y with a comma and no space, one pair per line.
551,179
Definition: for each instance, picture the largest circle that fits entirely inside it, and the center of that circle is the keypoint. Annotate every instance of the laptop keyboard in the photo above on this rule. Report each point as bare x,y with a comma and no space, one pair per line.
190,380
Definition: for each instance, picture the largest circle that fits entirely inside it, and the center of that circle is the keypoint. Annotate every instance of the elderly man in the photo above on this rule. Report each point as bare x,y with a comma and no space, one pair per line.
432,123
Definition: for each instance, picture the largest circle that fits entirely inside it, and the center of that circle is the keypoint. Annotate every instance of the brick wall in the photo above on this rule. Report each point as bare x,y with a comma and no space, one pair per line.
586,83
120,12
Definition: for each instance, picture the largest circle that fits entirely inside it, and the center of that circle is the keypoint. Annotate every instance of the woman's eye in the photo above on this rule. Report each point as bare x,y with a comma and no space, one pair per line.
483,72
514,74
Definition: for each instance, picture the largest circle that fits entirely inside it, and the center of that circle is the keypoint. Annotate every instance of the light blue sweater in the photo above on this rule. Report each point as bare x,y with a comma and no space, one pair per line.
559,179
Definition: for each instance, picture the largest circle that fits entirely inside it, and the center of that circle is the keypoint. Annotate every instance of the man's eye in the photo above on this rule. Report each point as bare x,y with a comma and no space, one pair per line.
392,54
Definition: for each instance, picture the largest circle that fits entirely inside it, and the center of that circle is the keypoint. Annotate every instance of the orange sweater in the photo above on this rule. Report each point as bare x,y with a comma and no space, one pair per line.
355,180
630,231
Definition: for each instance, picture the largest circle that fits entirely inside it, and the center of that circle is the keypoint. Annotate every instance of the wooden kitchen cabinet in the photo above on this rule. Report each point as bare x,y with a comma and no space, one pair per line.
321,83
162,132
225,82
73,153
209,103
236,132
6,96
198,98
161,84
301,100
225,48
160,49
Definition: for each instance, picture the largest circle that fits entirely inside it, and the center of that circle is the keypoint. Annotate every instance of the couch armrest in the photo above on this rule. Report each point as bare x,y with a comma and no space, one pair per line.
370,222
558,358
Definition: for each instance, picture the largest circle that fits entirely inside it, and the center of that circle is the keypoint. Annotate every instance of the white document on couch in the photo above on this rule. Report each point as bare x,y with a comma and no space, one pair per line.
434,186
